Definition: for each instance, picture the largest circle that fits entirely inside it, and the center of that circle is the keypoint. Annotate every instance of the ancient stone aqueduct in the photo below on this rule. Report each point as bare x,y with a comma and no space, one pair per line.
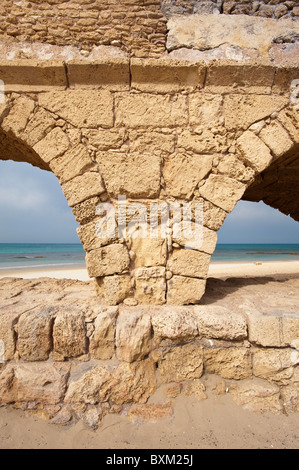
177,101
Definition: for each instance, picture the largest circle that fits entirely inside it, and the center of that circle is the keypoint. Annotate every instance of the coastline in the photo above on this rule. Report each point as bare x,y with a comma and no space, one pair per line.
217,269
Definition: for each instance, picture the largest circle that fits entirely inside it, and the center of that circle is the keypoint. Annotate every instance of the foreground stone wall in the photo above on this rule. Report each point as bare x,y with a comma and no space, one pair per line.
65,357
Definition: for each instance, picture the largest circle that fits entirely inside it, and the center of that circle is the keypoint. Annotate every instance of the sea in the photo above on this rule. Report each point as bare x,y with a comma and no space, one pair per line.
71,255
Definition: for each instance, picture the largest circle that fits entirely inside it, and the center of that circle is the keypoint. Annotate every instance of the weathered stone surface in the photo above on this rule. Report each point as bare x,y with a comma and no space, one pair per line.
290,330
205,110
83,187
82,108
220,323
277,139
8,318
133,336
222,191
34,334
181,363
101,344
149,251
141,110
203,141
114,289
240,111
111,259
174,323
151,142
275,365
150,285
36,382
254,152
231,166
185,290
257,395
19,115
94,235
72,163
38,127
104,139
290,123
69,335
84,211
228,362
197,389
264,330
53,145
189,263
150,412
182,173
290,397
121,178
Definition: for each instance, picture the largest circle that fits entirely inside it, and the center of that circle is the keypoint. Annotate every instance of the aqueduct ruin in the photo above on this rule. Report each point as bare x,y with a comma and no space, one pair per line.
184,102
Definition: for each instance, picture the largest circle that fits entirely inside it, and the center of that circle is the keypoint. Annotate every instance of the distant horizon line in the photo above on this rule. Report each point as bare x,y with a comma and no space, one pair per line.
78,243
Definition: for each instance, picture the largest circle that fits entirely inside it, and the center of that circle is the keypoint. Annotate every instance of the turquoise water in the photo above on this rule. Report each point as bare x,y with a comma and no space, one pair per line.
27,255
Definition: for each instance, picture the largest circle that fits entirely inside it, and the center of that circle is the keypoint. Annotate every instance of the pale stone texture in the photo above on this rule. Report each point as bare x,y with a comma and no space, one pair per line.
182,173
290,123
228,362
34,334
290,330
174,323
71,164
69,334
220,323
254,152
222,191
101,344
142,110
19,115
197,389
230,165
257,395
133,336
94,235
149,141
82,108
150,285
36,382
185,290
205,109
53,145
203,141
189,263
150,412
120,175
114,289
111,259
38,127
82,187
149,251
8,318
275,365
277,139
181,363
264,330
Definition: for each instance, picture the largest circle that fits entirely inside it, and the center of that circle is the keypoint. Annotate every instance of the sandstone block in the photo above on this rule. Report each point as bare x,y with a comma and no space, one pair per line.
35,335
288,119
104,139
69,335
189,263
53,145
149,251
257,395
111,259
290,330
83,187
220,323
151,142
275,365
213,216
205,110
150,285
264,330
240,111
166,76
233,167
181,363
197,389
18,116
253,151
120,175
93,235
174,323
185,290
203,141
229,363
112,290
150,412
113,74
182,173
136,110
222,191
38,127
290,397
133,336
101,345
35,382
201,238
276,138
82,108
84,211
74,162
8,319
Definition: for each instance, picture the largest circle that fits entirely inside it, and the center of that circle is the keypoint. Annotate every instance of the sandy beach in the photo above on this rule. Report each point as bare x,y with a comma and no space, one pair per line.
215,423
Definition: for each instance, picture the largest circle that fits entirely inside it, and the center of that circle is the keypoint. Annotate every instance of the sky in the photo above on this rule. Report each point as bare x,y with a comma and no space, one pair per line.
33,209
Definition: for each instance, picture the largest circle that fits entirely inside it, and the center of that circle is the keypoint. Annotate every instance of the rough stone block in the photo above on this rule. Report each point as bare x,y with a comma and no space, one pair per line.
112,290
189,263
82,108
205,110
83,187
111,259
101,345
203,141
275,365
151,142
149,251
38,127
18,116
287,118
222,191
113,74
53,145
257,395
290,330
174,323
228,362
8,319
72,163
253,151
150,285
69,334
233,167
181,363
185,290
220,323
143,110
35,335
133,336
264,330
277,139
